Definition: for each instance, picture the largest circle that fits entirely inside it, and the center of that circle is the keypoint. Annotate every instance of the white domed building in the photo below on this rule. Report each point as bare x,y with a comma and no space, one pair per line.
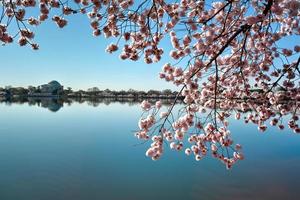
52,88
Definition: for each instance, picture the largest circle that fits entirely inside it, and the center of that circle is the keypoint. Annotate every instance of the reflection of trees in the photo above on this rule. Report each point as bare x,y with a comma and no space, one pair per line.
54,104
93,103
250,107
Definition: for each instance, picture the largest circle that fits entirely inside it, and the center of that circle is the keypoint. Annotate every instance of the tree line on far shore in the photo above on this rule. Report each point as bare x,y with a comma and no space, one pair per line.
94,92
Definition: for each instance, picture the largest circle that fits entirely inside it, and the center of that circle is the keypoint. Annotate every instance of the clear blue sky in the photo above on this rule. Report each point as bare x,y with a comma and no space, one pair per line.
75,58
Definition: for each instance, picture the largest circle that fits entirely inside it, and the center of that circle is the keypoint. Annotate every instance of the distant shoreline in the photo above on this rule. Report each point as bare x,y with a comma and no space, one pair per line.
54,89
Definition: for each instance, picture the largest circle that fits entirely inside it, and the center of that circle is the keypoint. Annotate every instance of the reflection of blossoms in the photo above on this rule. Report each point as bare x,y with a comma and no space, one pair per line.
228,58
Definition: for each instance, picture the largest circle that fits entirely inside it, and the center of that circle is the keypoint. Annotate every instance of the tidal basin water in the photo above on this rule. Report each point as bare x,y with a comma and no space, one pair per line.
84,152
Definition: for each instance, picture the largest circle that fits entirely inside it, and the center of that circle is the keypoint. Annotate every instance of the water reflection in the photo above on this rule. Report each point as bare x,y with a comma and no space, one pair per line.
84,152
55,104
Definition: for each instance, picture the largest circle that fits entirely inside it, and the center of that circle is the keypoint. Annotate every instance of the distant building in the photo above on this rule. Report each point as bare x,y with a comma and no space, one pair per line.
52,88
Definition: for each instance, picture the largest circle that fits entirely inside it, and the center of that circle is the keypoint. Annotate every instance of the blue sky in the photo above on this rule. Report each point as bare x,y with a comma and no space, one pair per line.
75,58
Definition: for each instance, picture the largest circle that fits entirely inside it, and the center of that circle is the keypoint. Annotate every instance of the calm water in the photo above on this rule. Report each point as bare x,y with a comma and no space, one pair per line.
83,152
